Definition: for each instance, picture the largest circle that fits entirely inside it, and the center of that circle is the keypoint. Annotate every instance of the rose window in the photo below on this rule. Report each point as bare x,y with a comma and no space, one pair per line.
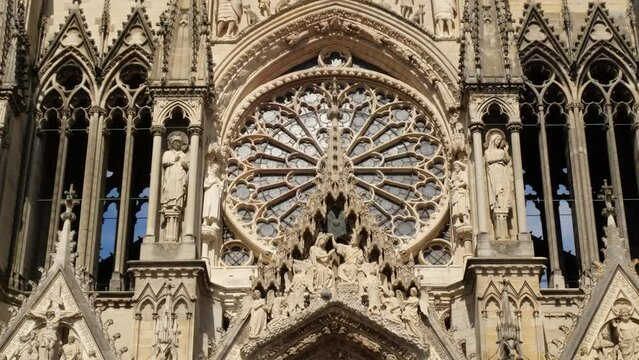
390,147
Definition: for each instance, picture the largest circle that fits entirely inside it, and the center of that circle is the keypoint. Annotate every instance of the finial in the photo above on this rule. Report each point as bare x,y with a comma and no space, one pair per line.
138,3
607,195
69,203
76,3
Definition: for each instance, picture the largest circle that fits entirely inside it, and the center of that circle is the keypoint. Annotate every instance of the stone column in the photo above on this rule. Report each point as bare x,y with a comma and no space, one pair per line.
58,182
117,278
615,173
195,131
154,189
514,127
481,187
556,278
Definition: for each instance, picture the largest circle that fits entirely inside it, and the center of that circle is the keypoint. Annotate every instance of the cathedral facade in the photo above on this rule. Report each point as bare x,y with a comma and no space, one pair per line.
319,179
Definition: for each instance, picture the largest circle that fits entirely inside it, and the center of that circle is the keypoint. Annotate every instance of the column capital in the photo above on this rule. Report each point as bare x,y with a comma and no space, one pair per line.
195,129
97,110
575,105
132,111
476,127
514,127
158,130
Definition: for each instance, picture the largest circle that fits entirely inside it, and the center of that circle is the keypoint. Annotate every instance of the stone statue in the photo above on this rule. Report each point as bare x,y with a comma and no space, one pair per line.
165,336
229,14
335,222
251,16
352,256
49,321
458,141
373,288
265,7
275,305
323,276
176,167
295,299
625,330
444,12
406,7
460,203
258,320
213,185
410,315
393,308
71,350
418,16
500,187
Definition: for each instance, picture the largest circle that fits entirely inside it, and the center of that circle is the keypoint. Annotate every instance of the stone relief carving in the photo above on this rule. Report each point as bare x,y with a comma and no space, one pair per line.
165,335
436,16
618,339
500,184
176,166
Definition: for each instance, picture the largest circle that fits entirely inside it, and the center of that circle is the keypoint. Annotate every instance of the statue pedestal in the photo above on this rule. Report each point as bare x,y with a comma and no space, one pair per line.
505,248
171,229
168,251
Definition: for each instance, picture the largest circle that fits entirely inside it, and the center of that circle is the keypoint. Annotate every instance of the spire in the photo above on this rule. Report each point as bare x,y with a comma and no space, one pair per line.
65,244
607,195
508,331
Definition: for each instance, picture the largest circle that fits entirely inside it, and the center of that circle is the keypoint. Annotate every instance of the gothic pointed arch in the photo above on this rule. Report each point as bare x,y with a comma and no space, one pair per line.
537,36
274,46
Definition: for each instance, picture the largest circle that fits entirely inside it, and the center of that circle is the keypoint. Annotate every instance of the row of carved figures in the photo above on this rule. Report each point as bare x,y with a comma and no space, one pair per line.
230,13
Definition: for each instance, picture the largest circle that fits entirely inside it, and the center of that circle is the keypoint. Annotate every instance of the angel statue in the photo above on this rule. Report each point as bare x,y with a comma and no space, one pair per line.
410,315
229,14
394,305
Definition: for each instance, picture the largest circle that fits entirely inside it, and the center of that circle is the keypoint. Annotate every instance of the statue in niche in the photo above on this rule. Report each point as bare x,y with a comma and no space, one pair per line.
500,187
458,141
176,165
258,320
48,323
352,256
393,310
71,350
323,276
460,204
444,12
374,288
265,7
410,314
229,14
295,299
336,222
213,185
405,7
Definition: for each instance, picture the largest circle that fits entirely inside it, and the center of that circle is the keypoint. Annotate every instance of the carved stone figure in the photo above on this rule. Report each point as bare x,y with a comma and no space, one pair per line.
458,141
406,7
264,7
410,315
499,181
281,5
251,16
444,12
295,299
276,306
373,288
71,350
50,320
258,320
352,256
176,167
625,330
460,203
323,276
393,308
229,14
213,185
418,16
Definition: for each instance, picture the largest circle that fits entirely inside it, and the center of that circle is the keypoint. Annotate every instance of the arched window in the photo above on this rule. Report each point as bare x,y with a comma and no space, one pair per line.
548,188
127,161
608,119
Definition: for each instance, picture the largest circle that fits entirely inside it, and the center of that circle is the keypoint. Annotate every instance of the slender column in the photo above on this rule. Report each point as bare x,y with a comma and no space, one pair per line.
89,208
514,127
615,173
476,128
189,214
117,278
154,188
556,277
635,134
587,234
58,182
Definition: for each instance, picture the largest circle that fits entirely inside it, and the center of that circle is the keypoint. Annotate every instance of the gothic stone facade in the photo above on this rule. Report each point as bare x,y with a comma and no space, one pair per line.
319,179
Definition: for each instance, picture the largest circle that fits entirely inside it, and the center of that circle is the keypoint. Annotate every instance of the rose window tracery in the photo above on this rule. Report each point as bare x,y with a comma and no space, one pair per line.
390,145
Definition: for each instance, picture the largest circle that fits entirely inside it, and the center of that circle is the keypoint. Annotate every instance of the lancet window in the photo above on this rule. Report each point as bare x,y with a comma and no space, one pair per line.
608,113
548,189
